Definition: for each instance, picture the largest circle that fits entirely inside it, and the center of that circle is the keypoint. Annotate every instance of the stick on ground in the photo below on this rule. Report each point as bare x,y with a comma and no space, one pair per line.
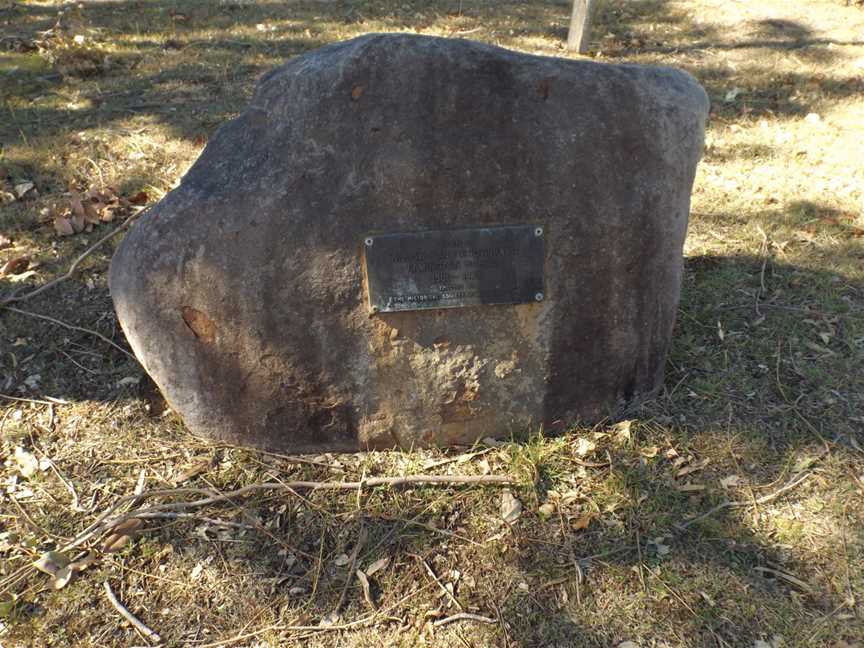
71,327
131,618
462,616
71,271
794,483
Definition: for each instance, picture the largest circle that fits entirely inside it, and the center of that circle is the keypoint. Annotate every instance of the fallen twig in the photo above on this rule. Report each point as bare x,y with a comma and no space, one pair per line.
462,616
280,627
71,271
353,485
785,576
361,540
190,516
468,31
438,582
70,327
49,401
284,457
76,504
131,618
460,458
742,503
105,520
31,522
102,523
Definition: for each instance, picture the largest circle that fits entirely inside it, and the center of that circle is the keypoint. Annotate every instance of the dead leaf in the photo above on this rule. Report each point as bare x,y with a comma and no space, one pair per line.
121,535
5,242
622,430
8,541
76,205
649,452
662,549
63,226
23,188
377,566
61,578
28,465
329,620
356,92
106,213
690,488
730,481
114,543
139,198
193,470
775,642
547,509
83,563
692,469
51,562
341,560
511,508
367,591
582,523
127,527
803,463
585,447
91,212
7,605
16,266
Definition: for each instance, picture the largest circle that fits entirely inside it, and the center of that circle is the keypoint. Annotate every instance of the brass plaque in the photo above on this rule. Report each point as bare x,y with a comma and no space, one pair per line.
453,268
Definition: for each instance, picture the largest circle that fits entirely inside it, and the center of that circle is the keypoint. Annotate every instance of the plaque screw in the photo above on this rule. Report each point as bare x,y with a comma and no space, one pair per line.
538,297
369,242
538,231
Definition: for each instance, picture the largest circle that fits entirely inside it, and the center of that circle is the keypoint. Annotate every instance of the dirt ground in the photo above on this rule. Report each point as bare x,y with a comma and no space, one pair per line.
727,512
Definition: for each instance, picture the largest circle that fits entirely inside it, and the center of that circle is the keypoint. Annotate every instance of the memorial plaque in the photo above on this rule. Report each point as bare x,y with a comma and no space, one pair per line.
453,268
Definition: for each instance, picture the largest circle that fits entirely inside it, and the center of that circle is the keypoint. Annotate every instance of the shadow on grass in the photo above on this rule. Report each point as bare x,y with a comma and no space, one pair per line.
209,56
768,351
781,378
657,27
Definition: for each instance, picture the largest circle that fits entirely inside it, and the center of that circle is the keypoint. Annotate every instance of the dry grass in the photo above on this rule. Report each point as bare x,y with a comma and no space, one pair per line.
764,381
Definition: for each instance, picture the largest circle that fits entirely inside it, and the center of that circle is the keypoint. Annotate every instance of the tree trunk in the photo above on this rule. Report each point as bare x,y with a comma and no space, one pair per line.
580,26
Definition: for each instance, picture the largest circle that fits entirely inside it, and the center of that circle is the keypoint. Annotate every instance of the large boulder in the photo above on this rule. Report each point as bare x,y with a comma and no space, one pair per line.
245,294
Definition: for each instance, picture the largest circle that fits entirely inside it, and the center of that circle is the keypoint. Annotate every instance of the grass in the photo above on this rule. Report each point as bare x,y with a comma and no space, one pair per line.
764,380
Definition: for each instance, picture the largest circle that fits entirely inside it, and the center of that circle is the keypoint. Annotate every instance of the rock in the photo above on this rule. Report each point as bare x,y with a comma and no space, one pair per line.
243,295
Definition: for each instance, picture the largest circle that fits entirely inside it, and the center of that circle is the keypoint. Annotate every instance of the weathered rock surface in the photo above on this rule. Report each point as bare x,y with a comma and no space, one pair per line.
242,292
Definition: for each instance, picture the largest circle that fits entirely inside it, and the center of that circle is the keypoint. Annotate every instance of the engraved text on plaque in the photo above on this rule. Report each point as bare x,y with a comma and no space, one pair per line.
452,268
